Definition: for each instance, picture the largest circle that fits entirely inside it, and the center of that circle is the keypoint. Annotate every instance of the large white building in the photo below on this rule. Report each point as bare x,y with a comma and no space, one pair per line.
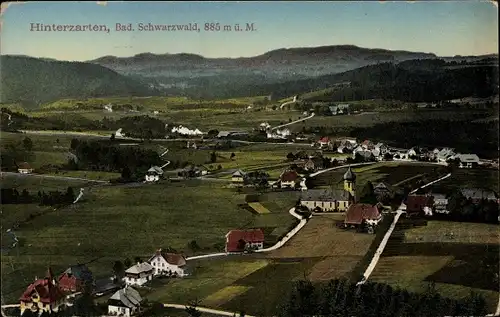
168,263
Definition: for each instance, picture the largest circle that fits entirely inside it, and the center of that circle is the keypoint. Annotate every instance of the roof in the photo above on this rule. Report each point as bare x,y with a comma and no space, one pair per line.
478,193
80,271
324,139
239,173
468,158
325,195
357,213
48,292
250,236
439,196
139,268
128,296
365,154
289,176
349,175
24,165
155,169
171,258
416,203
382,187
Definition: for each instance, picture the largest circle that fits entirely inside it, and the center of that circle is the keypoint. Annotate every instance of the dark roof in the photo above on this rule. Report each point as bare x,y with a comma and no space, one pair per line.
357,213
249,236
349,175
24,165
478,193
416,203
171,258
80,271
325,195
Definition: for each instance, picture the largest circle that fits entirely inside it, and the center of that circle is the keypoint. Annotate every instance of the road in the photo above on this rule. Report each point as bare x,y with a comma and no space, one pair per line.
293,122
294,100
53,177
401,210
206,310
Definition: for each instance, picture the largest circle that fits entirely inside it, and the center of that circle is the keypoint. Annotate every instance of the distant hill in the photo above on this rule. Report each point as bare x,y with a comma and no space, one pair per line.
32,81
277,64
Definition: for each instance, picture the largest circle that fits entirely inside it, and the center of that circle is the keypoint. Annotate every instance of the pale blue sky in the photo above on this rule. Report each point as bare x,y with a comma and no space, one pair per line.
444,28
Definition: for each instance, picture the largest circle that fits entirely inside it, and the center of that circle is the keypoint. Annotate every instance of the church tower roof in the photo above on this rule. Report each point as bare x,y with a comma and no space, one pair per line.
349,175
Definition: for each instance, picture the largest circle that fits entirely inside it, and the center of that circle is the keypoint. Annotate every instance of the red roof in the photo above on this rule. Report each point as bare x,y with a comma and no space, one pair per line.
357,213
324,140
416,203
233,238
289,176
48,292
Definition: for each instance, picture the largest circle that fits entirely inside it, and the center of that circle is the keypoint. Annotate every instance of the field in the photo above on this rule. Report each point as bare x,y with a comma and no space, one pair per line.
415,257
109,220
477,178
392,173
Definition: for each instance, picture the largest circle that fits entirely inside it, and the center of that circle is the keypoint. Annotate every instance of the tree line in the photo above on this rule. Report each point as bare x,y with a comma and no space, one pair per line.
131,162
51,198
341,297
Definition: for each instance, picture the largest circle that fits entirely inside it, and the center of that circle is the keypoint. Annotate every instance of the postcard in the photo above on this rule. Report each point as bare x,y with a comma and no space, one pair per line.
280,158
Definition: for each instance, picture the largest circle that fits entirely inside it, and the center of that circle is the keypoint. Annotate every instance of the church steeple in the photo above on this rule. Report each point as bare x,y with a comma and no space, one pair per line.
350,182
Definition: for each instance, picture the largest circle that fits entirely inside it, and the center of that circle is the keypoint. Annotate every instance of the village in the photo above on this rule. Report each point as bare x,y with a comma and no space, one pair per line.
362,212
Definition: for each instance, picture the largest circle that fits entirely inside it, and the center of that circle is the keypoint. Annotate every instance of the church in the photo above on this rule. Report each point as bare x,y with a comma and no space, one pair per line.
331,200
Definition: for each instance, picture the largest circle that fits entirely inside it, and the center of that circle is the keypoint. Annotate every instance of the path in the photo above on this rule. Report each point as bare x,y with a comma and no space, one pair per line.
54,177
401,210
294,100
293,122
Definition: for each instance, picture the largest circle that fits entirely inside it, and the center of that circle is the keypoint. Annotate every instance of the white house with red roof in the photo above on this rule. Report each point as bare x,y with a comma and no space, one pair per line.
169,264
324,141
289,179
243,240
24,168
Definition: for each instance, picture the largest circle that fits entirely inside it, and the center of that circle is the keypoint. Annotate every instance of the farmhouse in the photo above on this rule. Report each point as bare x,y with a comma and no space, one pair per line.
365,155
244,240
24,168
239,177
367,145
76,278
445,154
419,204
154,174
324,141
125,302
289,179
326,200
340,109
440,203
313,164
139,274
383,191
42,296
359,215
467,160
170,264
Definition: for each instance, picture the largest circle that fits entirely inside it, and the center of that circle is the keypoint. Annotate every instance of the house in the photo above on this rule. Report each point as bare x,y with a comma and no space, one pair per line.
239,177
440,203
478,194
326,200
445,154
125,302
289,179
383,191
139,274
467,160
419,204
414,151
313,164
324,141
24,168
359,215
153,174
340,109
242,240
76,278
165,263
381,147
42,296
367,145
